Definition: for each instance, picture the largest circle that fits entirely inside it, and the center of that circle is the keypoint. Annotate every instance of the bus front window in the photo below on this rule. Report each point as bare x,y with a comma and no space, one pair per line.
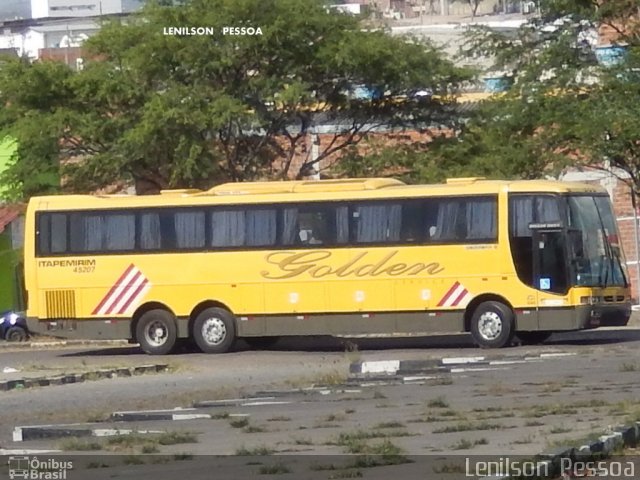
593,249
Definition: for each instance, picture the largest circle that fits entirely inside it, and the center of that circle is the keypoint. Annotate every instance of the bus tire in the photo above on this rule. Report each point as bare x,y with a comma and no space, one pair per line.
492,325
156,332
214,330
533,338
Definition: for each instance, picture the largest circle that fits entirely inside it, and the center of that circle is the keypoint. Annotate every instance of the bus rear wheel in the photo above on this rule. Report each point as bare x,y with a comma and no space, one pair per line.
492,325
156,332
214,330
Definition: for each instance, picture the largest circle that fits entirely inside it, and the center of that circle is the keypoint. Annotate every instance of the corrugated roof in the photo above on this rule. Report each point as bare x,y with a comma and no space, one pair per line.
8,213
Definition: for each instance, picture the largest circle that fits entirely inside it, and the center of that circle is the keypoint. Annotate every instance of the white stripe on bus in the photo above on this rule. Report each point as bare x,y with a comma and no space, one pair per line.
112,298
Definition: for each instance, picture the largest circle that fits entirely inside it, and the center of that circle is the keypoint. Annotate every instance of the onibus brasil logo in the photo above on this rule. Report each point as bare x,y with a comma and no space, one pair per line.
32,468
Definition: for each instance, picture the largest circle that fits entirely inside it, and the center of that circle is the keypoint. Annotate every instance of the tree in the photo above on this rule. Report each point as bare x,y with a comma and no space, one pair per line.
565,107
33,97
173,111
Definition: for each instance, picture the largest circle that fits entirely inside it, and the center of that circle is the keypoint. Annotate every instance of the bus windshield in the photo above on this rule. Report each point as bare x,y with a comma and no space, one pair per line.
595,254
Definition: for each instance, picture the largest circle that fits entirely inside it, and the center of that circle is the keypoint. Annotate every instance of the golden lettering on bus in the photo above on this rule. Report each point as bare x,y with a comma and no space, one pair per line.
315,264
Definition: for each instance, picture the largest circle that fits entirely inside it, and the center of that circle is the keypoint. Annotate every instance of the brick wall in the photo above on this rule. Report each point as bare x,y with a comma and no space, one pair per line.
72,56
623,209
371,143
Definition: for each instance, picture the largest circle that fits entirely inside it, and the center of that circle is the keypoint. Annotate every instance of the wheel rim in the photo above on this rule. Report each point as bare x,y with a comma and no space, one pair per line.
490,325
214,331
156,334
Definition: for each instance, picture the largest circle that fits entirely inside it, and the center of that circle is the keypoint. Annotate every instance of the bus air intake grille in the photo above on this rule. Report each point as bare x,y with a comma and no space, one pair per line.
60,303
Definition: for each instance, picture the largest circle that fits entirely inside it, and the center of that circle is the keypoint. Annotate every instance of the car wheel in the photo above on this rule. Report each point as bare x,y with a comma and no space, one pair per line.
156,332
492,325
16,334
214,330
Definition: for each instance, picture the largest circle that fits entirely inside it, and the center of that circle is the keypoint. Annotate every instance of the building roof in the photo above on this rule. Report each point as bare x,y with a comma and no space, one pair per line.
8,213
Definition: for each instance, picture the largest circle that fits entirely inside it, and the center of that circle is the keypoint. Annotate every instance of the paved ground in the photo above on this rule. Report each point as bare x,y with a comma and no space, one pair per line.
532,399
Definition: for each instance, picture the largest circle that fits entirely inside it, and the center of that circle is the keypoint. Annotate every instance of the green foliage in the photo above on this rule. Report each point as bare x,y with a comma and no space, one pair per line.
32,99
564,108
165,111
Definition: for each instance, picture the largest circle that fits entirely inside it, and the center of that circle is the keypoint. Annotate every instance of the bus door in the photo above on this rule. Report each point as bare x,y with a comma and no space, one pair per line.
550,274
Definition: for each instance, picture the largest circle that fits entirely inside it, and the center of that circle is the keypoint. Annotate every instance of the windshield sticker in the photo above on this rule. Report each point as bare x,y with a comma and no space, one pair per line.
545,284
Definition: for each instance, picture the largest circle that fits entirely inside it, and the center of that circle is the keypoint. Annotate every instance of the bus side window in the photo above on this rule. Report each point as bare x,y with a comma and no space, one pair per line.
149,232
412,230
189,228
377,222
322,224
58,232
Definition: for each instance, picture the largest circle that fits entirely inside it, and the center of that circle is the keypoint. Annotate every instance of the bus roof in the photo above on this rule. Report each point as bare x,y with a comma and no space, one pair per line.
310,190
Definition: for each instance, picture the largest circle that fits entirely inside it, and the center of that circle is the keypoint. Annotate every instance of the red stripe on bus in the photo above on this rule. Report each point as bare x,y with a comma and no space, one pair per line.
133,297
113,289
124,291
460,297
448,294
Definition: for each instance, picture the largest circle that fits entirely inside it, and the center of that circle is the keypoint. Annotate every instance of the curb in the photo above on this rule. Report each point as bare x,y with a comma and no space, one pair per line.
48,432
387,368
67,379
172,415
549,463
63,343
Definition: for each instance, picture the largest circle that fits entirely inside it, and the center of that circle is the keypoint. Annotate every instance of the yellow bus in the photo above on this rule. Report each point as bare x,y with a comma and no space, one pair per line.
343,257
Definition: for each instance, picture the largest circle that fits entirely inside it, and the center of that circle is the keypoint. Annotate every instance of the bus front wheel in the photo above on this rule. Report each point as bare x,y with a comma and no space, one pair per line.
492,325
214,330
156,332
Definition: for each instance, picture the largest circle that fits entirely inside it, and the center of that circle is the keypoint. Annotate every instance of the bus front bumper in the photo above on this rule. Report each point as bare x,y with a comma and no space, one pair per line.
594,316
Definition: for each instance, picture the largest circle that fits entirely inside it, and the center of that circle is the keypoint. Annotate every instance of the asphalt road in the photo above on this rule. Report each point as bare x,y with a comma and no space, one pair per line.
573,386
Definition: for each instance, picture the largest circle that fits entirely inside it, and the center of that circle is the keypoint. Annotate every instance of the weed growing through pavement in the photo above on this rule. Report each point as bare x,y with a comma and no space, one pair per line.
559,429
255,451
279,418
239,422
392,424
278,468
350,473
466,444
628,367
438,402
524,440
254,429
469,426
76,445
